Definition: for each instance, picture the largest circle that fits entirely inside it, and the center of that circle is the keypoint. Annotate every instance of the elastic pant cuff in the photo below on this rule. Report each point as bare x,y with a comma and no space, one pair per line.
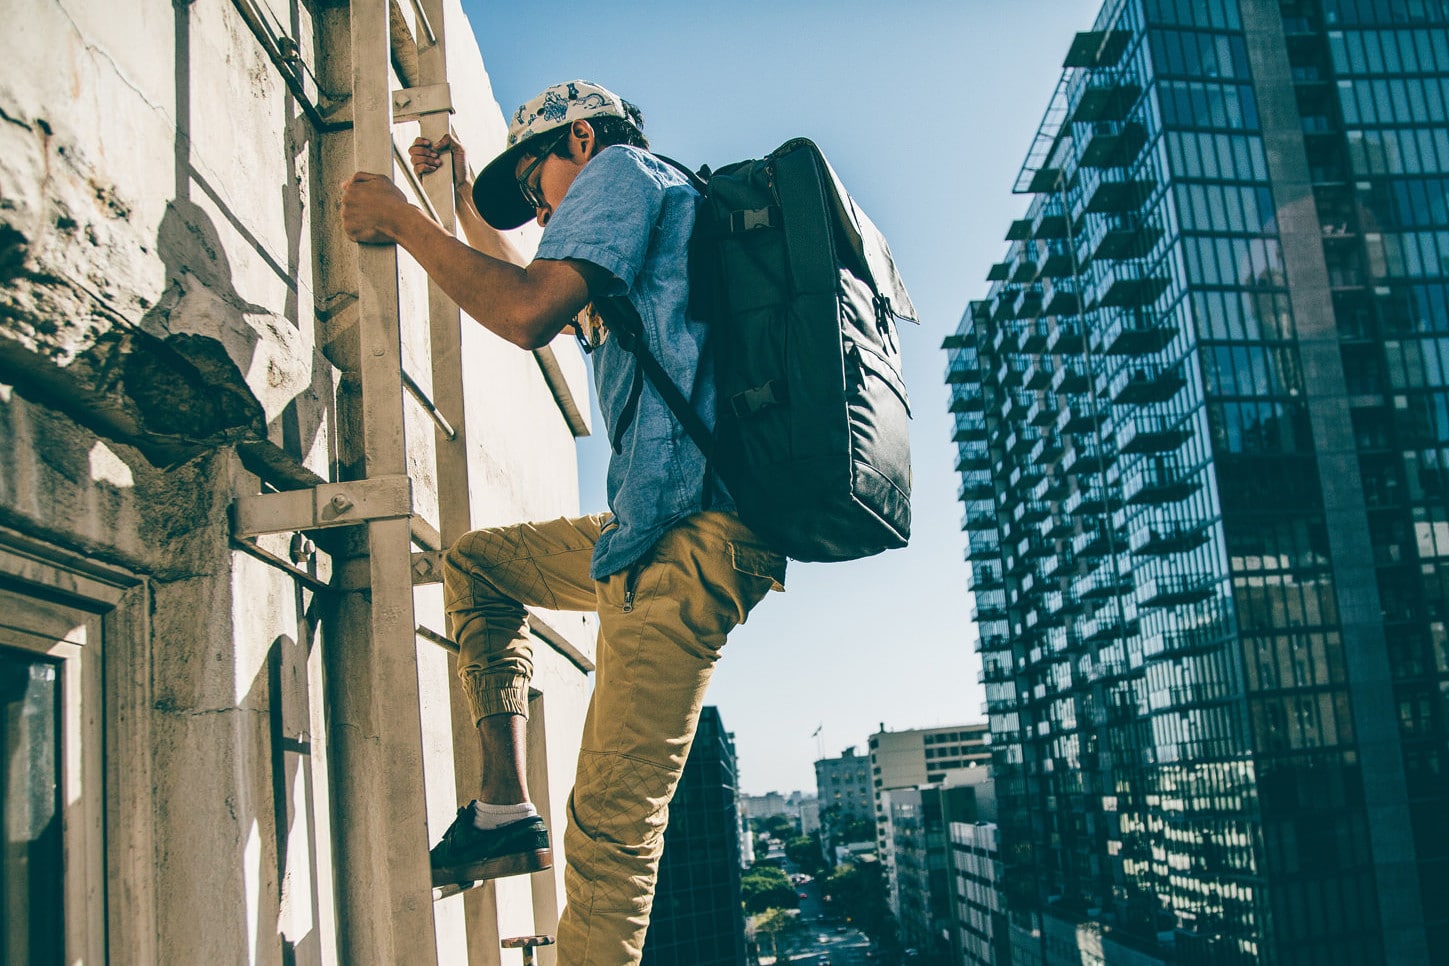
490,695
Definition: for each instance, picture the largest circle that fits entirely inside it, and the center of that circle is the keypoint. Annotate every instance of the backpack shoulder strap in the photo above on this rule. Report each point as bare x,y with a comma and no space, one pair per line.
625,325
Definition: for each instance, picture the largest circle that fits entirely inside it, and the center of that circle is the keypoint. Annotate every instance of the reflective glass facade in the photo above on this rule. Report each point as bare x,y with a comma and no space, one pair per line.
698,917
1203,435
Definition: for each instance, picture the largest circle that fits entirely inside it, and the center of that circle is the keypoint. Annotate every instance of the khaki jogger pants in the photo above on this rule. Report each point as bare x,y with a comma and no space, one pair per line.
662,624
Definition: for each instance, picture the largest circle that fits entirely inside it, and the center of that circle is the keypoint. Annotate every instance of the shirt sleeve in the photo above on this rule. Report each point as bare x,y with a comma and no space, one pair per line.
608,215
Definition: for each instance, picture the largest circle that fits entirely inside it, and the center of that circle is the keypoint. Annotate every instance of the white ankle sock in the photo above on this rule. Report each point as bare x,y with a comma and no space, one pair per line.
487,816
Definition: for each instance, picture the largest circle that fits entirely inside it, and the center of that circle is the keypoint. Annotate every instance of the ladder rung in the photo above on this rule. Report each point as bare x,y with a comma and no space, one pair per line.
433,637
412,103
324,505
453,889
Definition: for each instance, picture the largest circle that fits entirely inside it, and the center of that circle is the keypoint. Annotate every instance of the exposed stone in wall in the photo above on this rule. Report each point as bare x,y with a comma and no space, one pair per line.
137,333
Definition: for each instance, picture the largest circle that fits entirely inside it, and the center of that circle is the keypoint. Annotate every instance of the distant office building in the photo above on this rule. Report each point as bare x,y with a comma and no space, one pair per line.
808,810
978,912
797,806
843,786
1204,448
746,836
923,888
922,756
698,919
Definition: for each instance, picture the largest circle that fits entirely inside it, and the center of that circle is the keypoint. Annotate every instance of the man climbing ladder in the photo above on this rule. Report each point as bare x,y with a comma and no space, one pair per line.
668,578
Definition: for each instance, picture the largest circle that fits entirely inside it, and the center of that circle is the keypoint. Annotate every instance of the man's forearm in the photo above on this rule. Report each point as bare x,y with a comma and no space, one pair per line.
525,309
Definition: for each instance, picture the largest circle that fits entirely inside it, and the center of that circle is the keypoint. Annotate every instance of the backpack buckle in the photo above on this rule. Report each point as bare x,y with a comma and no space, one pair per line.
753,400
749,219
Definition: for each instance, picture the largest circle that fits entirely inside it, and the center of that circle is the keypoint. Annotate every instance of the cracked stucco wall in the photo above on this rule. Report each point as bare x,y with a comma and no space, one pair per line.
167,220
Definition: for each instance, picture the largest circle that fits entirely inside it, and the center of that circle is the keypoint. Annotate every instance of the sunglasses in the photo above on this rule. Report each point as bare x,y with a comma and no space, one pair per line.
532,195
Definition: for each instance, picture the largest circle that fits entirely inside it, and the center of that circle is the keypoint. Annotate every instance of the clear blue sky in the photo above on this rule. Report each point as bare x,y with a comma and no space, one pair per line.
926,109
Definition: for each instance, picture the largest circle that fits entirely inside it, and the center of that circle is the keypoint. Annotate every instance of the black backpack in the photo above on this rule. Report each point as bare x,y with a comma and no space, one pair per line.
812,431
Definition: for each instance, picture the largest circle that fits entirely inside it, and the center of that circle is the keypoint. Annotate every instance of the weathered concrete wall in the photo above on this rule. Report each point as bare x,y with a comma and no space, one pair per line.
166,217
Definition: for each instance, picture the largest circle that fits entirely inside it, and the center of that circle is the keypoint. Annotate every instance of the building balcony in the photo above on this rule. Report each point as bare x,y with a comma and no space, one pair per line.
1091,543
1110,670
1089,455
1047,450
1022,478
1100,584
1052,564
994,643
1039,548
1039,373
1020,230
1022,439
1061,298
1051,223
963,365
985,576
1018,566
1057,527
1116,195
983,544
1168,590
968,426
1128,290
1043,412
1011,372
1143,433
1058,263
966,398
976,485
1097,48
1160,538
1059,604
1148,383
1175,644
1107,625
1076,418
1051,487
1128,240
979,515
1024,273
998,272
1113,145
1011,404
988,607
1030,511
994,672
1003,340
1003,309
1071,376
1068,337
1160,480
1104,98
973,456
1095,499
1032,336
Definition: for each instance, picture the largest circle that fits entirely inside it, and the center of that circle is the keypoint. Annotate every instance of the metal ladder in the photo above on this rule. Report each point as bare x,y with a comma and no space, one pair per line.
380,840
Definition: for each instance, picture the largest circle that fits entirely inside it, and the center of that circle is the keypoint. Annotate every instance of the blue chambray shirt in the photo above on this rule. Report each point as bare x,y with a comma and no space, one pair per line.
631,214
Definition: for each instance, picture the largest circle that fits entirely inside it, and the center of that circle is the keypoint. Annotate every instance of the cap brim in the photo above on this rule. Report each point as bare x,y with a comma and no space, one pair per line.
496,194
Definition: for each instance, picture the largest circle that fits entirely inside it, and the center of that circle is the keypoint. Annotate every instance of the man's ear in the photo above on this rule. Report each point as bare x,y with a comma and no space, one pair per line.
582,141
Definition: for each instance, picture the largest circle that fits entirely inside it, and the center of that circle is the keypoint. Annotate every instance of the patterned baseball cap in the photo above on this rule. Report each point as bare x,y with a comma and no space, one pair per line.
495,191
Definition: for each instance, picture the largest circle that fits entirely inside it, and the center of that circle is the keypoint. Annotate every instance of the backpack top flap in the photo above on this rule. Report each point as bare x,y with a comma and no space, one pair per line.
864,239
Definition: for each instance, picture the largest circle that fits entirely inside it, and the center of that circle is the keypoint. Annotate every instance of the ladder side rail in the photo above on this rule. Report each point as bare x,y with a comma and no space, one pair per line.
384,880
480,906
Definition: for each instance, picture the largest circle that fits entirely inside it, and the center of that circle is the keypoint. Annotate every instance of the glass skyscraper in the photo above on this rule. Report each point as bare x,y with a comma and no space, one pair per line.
1203,427
698,918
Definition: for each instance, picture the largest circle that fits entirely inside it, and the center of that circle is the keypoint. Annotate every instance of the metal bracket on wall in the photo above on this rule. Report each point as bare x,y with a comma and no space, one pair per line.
324,505
412,103
427,567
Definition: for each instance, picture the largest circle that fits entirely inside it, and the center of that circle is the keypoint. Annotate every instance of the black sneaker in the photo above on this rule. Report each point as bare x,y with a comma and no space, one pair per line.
468,853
